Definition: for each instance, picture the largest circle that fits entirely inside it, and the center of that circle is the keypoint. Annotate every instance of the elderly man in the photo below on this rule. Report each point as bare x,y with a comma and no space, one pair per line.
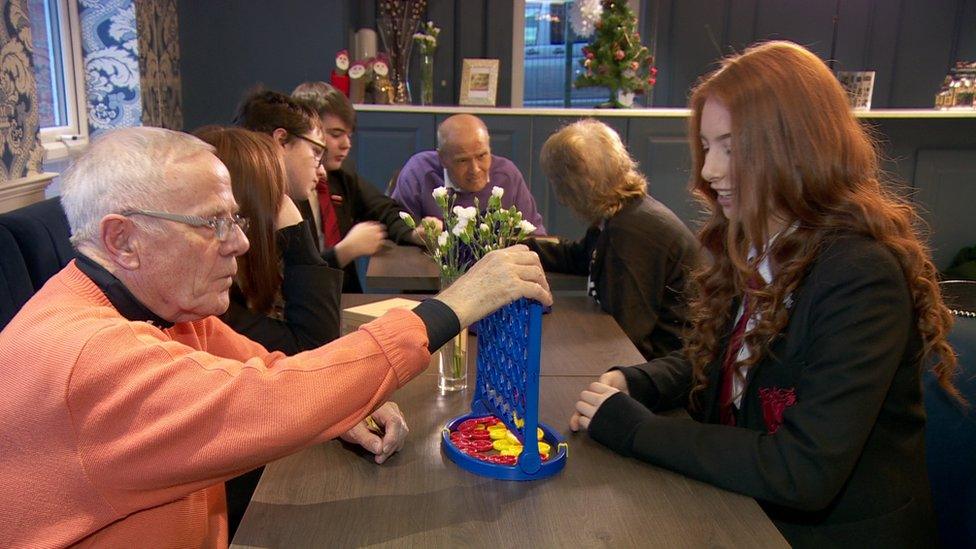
463,163
132,403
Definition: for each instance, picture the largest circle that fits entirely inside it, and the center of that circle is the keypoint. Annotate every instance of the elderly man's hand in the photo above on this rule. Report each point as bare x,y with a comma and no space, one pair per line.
500,277
395,430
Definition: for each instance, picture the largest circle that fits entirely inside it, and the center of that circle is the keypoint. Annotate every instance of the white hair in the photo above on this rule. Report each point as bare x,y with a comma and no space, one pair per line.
126,169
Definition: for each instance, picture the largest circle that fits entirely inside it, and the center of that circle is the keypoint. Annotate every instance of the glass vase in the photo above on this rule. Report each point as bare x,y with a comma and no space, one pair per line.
426,79
452,358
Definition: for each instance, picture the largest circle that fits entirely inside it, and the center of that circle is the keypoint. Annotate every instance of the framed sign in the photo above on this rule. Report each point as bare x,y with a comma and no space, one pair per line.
479,82
859,86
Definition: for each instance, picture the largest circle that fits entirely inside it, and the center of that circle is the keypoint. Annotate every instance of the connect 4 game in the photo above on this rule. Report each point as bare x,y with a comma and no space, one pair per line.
502,437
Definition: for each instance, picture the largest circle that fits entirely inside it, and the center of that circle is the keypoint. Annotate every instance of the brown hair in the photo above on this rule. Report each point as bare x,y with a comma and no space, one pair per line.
257,175
798,151
266,110
590,169
326,99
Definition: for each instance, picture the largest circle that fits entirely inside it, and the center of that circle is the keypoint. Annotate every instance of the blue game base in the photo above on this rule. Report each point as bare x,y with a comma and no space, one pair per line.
524,469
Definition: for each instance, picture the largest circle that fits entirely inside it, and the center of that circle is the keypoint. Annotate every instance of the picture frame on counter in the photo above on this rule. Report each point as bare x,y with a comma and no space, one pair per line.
479,82
859,86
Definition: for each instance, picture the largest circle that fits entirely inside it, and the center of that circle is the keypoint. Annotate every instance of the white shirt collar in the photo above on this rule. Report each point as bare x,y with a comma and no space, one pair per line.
450,184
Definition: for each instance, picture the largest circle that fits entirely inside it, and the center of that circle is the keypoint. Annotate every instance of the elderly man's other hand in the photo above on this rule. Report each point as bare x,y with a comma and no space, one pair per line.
499,278
394,432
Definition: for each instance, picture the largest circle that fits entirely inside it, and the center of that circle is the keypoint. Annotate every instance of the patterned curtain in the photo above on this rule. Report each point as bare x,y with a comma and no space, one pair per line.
110,47
159,63
21,151
131,56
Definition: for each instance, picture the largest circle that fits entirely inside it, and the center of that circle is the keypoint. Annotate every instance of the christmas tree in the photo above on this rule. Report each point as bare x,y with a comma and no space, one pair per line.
616,59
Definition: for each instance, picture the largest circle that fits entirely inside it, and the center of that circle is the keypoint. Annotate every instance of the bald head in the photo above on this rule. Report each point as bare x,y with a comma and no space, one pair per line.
464,150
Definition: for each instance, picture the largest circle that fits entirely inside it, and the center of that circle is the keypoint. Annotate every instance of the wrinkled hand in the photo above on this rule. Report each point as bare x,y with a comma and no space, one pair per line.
395,430
497,279
288,213
593,397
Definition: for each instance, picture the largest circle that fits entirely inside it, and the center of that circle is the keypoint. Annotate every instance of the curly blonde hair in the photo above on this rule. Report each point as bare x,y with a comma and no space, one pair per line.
590,169
797,151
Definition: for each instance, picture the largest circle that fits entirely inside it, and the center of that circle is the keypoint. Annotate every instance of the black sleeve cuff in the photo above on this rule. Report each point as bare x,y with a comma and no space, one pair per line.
640,386
329,256
616,422
441,322
296,245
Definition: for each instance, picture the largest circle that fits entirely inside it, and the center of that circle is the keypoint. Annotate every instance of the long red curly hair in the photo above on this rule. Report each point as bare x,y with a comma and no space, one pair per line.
798,151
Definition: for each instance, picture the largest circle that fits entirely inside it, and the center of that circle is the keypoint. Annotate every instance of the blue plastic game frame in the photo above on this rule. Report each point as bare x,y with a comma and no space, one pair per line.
507,387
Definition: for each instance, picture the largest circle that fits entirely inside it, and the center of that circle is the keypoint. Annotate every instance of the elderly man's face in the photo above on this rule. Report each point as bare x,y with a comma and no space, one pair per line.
467,160
185,272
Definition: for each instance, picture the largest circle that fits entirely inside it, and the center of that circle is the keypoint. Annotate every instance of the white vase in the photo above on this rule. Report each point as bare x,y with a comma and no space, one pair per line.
625,98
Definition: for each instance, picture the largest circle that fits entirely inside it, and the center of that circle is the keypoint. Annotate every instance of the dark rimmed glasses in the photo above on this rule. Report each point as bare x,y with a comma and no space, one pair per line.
318,148
221,226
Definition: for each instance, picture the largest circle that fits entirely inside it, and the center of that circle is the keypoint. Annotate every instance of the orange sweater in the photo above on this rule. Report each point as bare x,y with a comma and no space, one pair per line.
116,433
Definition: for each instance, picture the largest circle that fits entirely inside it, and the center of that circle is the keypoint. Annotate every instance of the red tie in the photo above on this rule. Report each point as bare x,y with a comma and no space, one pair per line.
330,222
726,413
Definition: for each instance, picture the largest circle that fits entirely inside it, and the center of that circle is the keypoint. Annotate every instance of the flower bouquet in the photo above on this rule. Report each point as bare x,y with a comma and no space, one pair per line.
467,235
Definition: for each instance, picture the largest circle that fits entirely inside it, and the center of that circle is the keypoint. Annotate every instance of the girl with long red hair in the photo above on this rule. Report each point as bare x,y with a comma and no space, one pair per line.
811,320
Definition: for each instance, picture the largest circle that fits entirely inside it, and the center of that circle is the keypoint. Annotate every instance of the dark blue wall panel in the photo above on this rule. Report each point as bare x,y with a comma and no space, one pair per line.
383,143
227,46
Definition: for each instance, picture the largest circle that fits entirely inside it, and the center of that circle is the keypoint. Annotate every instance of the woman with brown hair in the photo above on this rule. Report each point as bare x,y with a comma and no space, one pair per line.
636,254
284,296
810,323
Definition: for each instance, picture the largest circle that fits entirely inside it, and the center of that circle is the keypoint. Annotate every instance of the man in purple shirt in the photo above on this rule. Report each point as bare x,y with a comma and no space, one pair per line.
464,164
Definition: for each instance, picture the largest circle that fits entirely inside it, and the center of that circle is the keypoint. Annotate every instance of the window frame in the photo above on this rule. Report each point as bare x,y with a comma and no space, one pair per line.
62,141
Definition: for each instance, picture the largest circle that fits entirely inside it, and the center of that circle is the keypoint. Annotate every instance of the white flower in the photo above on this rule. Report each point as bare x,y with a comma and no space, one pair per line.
459,229
484,227
404,216
442,239
465,214
439,192
526,227
497,192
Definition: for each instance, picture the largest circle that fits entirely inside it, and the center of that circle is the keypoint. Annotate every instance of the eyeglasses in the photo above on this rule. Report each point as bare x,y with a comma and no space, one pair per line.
221,226
318,148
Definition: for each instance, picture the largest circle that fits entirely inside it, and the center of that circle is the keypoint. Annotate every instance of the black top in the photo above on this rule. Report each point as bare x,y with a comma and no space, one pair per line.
310,291
637,265
830,436
358,201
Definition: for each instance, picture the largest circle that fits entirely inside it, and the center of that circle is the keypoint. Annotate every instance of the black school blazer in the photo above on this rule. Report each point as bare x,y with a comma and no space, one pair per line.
830,437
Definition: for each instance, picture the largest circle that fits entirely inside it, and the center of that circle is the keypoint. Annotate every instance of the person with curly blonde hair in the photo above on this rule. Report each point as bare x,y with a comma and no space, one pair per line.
811,320
636,253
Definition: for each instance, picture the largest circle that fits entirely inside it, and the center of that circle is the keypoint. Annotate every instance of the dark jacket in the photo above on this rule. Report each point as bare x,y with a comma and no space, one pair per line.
637,264
356,200
830,436
310,290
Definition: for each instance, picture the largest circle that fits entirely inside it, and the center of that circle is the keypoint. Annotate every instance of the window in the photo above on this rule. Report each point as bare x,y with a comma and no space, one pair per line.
59,75
550,66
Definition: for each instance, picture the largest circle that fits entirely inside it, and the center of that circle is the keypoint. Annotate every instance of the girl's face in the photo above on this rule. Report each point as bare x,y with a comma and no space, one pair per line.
716,141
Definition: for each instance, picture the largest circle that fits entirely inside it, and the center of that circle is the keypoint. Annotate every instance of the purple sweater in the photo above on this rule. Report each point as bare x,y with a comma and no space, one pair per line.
423,173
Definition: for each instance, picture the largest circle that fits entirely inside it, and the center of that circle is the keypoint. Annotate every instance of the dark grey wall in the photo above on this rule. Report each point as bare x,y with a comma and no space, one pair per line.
228,46
909,43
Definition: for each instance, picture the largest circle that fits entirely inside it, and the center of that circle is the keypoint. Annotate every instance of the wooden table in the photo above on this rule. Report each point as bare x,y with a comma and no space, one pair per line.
409,269
331,495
